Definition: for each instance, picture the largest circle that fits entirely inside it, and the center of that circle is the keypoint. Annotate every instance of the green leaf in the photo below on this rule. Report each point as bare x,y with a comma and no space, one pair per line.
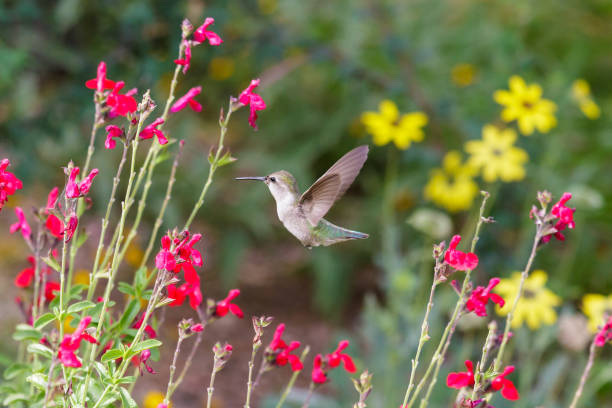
140,279
26,332
81,239
126,398
130,313
145,345
51,262
80,306
44,320
112,354
101,369
38,380
126,288
225,159
75,291
126,380
15,370
42,350
11,398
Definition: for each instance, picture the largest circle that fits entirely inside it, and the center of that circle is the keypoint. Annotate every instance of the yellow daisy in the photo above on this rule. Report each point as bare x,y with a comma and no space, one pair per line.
388,125
524,103
536,306
153,398
581,93
452,186
597,308
496,155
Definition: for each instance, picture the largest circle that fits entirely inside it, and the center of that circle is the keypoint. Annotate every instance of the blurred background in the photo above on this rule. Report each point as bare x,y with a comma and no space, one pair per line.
323,64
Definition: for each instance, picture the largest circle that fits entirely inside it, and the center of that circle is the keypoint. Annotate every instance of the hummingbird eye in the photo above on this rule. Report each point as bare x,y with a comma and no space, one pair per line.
273,179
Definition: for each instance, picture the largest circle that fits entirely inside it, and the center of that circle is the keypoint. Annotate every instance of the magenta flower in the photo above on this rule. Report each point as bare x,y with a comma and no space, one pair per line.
74,189
605,334
112,132
21,225
462,379
71,227
52,199
141,360
100,82
479,297
8,182
148,329
151,130
71,343
322,365
461,261
196,328
224,306
55,226
179,294
186,61
255,102
121,104
187,99
26,276
202,33
565,216
508,390
280,352
318,375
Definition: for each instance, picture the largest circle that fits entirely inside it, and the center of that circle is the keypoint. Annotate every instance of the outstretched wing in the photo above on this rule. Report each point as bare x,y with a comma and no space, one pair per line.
346,169
318,199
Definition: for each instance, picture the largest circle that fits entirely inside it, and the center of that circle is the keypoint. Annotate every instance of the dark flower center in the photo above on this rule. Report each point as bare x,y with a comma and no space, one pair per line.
529,294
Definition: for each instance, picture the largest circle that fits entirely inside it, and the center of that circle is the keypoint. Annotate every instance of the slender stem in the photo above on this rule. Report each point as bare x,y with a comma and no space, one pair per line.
479,374
211,387
35,301
92,139
585,374
173,367
247,403
291,382
309,395
212,169
519,294
423,337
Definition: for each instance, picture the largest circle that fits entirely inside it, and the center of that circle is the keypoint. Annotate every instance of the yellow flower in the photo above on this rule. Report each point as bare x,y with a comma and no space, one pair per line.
452,186
597,308
496,155
524,103
581,93
387,125
152,399
134,254
463,74
536,306
81,277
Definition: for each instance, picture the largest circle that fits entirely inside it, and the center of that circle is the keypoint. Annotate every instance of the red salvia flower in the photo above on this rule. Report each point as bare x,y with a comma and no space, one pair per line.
255,102
26,276
50,290
202,33
191,290
71,343
74,189
21,225
479,297
148,329
318,375
605,334
112,133
187,99
196,328
121,104
151,130
508,390
52,199
280,353
224,306
73,222
461,261
186,61
8,182
565,217
141,359
55,226
337,356
462,379
100,82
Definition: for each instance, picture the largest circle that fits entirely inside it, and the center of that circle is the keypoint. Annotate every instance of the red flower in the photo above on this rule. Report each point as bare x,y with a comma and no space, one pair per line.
464,379
148,329
461,261
72,342
112,132
141,359
74,189
179,254
55,226
8,182
247,97
52,199
280,353
191,290
73,222
100,83
151,130
185,62
201,33
508,390
21,225
25,277
605,334
187,99
318,375
565,216
50,290
121,104
197,328
477,302
337,356
225,305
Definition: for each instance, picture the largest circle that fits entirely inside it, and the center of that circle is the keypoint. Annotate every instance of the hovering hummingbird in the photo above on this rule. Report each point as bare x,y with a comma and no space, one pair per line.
302,215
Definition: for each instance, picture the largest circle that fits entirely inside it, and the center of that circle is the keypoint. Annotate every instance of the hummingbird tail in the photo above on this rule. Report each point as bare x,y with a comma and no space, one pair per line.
355,234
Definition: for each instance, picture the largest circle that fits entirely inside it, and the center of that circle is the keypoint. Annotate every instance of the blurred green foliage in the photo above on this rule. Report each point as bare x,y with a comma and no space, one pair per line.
323,63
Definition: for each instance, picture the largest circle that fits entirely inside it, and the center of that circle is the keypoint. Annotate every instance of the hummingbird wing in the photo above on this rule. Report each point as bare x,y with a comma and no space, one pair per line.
346,168
318,199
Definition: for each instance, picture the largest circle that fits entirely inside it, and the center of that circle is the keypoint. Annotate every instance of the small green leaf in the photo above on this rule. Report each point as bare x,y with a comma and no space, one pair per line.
126,288
164,302
130,313
12,398
75,291
51,262
42,350
38,380
225,159
145,345
101,369
26,332
15,370
126,398
44,320
81,239
126,380
112,354
80,306
140,279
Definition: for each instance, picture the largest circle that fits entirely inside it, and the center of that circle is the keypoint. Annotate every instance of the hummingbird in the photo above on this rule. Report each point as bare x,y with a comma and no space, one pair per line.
302,214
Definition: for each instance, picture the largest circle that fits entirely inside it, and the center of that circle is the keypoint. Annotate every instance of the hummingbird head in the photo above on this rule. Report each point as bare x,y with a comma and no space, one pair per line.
281,184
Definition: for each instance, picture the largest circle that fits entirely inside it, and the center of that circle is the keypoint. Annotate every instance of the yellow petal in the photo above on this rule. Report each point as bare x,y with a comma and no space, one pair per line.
388,110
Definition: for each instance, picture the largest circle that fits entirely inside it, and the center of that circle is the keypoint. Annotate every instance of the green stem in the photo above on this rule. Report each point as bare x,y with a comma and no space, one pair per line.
585,374
173,368
291,382
247,403
479,372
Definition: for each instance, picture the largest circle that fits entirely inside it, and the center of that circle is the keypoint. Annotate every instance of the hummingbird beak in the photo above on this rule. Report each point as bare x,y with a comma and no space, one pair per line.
251,178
